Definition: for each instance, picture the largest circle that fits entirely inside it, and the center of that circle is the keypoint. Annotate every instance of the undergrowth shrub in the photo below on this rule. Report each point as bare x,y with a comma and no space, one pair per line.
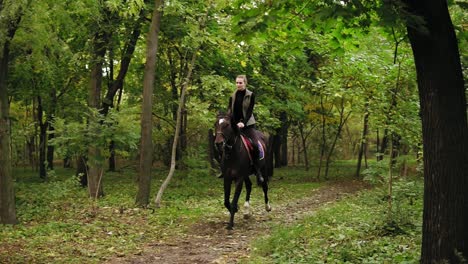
354,230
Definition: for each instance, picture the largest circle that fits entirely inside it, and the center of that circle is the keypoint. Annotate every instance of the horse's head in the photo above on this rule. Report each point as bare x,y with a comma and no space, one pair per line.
226,132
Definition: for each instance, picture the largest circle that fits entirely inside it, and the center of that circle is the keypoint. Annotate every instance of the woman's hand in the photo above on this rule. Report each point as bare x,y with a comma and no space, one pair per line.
240,125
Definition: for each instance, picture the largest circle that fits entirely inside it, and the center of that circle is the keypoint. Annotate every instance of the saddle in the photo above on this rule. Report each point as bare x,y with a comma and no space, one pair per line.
248,144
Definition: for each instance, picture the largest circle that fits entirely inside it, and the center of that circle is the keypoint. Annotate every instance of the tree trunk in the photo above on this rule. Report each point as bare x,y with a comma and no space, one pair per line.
50,136
177,131
284,139
95,171
82,170
7,193
146,151
277,149
212,153
42,140
304,145
117,84
362,148
323,144
343,120
445,133
383,145
181,106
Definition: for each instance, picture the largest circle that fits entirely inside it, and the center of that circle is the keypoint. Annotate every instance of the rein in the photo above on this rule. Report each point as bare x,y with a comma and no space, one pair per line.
225,141
226,146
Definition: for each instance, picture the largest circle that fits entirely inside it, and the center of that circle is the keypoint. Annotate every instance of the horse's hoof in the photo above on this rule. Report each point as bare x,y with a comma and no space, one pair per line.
229,227
246,216
268,207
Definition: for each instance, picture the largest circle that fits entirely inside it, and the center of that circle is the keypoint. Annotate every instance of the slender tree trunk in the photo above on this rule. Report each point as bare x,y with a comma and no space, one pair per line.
212,154
82,170
304,146
324,139
383,145
50,148
67,162
277,149
95,171
177,131
185,85
362,148
146,150
390,188
343,120
284,139
42,140
445,133
50,136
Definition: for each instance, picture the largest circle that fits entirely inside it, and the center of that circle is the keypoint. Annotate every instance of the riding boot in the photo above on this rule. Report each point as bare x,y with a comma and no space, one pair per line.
256,162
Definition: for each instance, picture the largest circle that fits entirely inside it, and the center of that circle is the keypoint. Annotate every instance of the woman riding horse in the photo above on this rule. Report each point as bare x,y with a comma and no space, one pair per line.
241,105
236,159
236,165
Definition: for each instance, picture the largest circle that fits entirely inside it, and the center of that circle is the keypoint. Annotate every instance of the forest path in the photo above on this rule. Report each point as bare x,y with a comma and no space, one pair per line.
208,241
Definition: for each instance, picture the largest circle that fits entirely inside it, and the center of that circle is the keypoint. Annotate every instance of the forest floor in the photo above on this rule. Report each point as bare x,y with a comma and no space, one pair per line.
208,241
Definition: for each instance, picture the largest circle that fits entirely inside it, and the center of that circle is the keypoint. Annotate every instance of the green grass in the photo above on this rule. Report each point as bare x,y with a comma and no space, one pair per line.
356,230
60,224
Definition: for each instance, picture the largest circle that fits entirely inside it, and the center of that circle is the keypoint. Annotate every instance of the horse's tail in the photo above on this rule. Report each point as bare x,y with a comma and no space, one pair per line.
268,172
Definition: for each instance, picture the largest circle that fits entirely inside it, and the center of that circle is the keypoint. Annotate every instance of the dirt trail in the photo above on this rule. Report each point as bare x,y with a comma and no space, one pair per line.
208,241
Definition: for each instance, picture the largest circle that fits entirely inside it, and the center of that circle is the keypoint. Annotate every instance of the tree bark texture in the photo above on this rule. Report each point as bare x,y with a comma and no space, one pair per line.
284,138
42,140
51,128
362,148
146,149
94,101
7,193
304,146
445,133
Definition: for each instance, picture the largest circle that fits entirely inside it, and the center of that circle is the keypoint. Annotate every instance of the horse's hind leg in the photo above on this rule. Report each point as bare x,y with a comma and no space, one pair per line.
248,189
265,193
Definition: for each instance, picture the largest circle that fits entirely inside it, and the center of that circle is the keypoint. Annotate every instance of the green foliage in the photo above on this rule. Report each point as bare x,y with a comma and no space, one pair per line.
122,127
354,230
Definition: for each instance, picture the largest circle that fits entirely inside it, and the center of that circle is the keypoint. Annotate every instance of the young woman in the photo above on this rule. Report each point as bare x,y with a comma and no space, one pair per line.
241,106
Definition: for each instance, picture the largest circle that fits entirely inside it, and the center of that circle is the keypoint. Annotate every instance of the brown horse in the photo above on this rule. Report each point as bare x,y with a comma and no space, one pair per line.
236,165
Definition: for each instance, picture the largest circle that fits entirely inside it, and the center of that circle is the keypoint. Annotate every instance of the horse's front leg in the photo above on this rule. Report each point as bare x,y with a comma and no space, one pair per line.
235,200
248,189
227,191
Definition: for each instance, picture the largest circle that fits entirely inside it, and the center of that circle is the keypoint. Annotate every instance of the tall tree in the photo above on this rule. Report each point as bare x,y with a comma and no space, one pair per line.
95,171
177,134
445,132
10,17
146,149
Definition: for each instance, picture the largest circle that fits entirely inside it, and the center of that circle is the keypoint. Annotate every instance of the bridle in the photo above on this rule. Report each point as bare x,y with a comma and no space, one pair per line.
226,146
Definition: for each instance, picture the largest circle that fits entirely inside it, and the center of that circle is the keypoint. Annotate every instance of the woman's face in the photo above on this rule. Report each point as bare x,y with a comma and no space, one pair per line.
240,83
